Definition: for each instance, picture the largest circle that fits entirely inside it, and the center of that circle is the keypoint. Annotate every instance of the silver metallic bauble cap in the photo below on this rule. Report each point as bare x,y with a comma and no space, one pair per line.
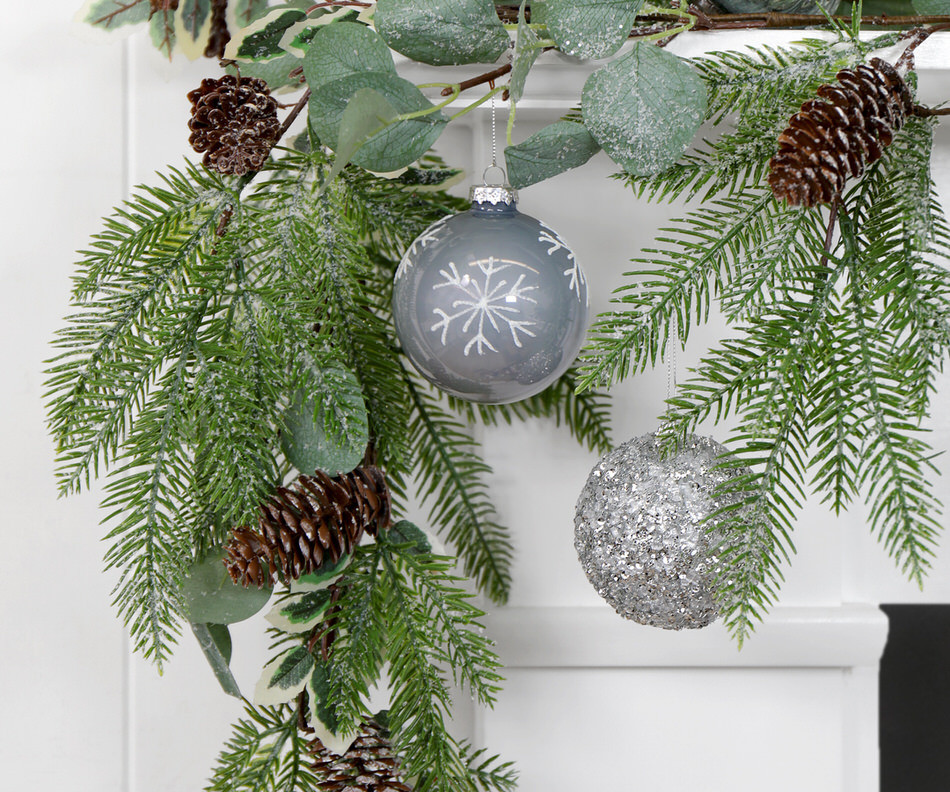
498,193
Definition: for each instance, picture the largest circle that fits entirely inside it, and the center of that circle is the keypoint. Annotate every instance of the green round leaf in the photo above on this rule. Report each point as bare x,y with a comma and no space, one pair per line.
211,596
342,49
399,144
442,32
588,28
555,149
405,532
330,434
644,109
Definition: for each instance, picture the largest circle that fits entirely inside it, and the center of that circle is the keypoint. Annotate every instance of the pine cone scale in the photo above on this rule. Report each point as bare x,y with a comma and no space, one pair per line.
314,520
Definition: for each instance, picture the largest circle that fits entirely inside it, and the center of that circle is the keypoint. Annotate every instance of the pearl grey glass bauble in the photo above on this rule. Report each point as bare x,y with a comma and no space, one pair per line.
640,534
490,305
779,6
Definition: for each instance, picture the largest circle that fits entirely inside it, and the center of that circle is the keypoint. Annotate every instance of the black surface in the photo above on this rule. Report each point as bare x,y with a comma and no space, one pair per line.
915,700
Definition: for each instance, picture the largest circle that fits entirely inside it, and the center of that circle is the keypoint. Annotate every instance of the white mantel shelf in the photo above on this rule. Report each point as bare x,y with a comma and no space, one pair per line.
845,636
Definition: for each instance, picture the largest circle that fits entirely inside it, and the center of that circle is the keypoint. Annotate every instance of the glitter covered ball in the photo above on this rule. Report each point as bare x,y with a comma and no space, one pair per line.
641,533
490,305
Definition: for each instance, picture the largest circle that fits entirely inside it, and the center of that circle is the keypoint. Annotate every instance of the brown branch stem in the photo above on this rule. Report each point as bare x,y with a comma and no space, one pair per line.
481,79
292,115
925,112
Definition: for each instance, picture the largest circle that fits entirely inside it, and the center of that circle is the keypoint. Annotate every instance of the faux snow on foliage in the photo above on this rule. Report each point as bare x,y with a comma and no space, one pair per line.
642,535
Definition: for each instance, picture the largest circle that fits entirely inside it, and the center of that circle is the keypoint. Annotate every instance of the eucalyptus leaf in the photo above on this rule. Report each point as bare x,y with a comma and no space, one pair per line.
284,677
397,145
260,41
193,27
215,642
322,719
275,72
430,178
322,435
526,53
296,39
298,613
161,28
443,32
322,577
366,113
644,108
113,14
344,49
940,7
554,149
210,595
589,28
405,532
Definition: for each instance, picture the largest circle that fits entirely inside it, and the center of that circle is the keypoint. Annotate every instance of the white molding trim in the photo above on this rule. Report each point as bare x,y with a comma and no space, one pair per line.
845,636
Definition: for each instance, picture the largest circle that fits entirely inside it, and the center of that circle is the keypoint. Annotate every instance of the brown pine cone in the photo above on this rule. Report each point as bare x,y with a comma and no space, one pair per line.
837,135
316,520
368,766
220,35
234,122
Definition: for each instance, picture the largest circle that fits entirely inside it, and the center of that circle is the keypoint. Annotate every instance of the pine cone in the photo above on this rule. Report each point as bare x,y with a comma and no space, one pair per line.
839,134
368,765
220,35
316,520
234,122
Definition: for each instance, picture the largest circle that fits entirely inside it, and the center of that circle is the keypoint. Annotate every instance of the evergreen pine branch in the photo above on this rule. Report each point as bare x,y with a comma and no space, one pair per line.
114,349
585,413
895,462
488,772
453,618
264,754
450,481
699,261
420,695
356,659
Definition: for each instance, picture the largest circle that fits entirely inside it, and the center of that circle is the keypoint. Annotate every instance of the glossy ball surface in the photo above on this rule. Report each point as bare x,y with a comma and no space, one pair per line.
490,305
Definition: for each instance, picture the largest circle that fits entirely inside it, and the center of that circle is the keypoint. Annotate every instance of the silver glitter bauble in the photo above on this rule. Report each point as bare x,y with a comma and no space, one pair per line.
642,535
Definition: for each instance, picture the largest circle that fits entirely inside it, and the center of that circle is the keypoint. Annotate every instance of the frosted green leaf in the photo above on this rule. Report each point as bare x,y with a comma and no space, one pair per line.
443,32
366,113
322,719
112,14
940,7
215,642
405,532
297,613
260,41
397,145
526,53
275,72
193,26
320,433
343,49
161,28
210,595
242,12
284,677
589,28
296,39
644,108
555,149
322,577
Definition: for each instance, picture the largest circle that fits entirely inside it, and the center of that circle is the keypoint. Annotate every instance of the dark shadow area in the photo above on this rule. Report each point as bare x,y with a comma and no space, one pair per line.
915,700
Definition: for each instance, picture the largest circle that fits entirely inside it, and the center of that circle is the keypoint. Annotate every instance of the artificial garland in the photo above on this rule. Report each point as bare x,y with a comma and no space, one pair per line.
235,323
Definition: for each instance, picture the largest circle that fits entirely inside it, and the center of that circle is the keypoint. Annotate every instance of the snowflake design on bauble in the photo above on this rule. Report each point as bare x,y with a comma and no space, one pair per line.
486,306
431,234
574,272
